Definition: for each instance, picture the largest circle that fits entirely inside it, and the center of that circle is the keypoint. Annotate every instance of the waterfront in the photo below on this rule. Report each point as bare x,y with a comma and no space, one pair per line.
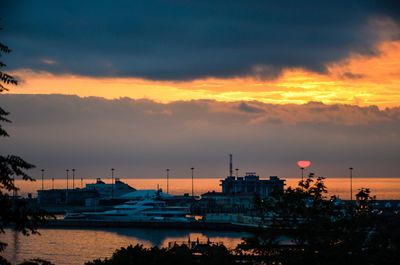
75,246
382,188
65,246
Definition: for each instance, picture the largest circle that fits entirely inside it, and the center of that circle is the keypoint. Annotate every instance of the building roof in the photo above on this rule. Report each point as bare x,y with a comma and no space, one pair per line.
223,194
141,194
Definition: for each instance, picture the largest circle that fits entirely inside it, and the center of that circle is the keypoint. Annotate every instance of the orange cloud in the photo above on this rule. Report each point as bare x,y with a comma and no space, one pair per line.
358,80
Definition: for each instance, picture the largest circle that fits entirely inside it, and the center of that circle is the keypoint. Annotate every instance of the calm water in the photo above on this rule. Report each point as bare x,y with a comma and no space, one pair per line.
383,188
75,246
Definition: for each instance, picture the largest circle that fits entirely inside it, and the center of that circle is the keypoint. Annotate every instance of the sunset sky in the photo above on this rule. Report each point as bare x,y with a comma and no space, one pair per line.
145,85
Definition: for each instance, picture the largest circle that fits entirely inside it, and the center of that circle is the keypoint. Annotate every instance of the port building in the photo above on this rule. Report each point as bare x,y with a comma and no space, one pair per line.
110,190
92,192
251,183
238,193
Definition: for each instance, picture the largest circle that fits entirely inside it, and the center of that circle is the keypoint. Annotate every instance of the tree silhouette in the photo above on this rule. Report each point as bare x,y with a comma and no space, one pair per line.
304,226
13,212
177,255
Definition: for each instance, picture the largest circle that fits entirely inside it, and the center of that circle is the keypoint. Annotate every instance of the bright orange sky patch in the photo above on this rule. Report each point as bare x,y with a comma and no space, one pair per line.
357,80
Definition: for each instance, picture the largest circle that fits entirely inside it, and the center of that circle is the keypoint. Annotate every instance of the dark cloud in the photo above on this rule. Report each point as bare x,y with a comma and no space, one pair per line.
141,138
350,75
179,40
248,108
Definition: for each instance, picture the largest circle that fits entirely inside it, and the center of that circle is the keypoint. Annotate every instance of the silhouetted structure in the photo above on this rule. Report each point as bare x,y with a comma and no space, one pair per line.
59,196
251,183
113,190
93,191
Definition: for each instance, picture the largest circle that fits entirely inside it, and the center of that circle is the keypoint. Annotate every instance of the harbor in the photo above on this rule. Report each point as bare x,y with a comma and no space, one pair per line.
116,204
192,226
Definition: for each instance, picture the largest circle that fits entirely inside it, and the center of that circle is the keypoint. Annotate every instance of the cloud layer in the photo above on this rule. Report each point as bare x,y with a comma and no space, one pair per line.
182,40
141,138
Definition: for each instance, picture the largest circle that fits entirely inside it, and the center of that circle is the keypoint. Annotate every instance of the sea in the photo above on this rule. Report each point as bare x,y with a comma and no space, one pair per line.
382,188
76,246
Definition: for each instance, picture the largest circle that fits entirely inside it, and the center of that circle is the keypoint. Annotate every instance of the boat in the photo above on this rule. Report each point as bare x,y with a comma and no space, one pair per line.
147,210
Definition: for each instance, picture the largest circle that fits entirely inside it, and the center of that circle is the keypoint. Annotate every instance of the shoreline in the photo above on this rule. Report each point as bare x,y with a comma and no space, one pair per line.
196,225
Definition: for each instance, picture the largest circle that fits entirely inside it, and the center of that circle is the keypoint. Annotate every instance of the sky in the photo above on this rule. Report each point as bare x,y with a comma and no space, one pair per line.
145,85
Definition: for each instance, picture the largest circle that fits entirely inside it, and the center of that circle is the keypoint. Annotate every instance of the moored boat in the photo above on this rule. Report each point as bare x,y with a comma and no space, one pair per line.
148,210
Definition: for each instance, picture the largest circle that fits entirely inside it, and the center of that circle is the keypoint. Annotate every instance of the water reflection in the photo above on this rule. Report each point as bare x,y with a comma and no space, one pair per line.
15,245
75,246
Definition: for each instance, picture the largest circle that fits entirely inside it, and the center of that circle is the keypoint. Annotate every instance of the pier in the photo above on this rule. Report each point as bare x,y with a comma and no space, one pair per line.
195,225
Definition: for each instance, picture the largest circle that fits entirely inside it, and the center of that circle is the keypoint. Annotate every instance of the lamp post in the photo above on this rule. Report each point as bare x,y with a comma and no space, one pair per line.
303,164
112,183
237,172
73,178
42,179
14,191
81,183
167,180
67,170
351,183
66,194
52,183
192,169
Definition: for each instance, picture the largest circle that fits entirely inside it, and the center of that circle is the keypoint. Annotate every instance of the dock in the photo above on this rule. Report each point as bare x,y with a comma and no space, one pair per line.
194,225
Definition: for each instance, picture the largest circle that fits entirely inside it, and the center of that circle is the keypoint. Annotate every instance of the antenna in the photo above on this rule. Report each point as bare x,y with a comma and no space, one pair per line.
230,166
351,183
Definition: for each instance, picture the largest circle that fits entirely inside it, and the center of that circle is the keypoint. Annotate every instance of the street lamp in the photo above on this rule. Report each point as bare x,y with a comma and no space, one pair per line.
167,180
42,179
112,183
67,170
66,194
302,164
192,169
73,178
14,191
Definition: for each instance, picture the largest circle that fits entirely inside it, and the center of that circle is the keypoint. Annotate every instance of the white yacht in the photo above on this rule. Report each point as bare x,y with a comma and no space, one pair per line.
148,210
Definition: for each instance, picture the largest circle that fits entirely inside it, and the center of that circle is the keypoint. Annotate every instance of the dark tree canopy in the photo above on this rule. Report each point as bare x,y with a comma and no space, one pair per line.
303,226
178,255
15,212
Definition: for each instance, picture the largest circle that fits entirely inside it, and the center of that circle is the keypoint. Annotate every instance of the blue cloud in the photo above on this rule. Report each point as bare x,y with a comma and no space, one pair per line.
178,40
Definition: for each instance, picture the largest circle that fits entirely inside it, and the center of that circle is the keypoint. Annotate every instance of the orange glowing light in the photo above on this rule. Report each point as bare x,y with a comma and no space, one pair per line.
356,80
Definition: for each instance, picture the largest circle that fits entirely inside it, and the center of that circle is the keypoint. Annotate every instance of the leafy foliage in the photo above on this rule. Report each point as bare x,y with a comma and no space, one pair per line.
303,226
36,262
178,255
4,77
14,211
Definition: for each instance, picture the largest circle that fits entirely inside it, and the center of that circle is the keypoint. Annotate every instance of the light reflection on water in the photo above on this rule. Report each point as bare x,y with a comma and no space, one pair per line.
75,246
383,188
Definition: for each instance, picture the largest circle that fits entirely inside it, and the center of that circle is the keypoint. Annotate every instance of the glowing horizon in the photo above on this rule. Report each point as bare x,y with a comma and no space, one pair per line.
358,80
